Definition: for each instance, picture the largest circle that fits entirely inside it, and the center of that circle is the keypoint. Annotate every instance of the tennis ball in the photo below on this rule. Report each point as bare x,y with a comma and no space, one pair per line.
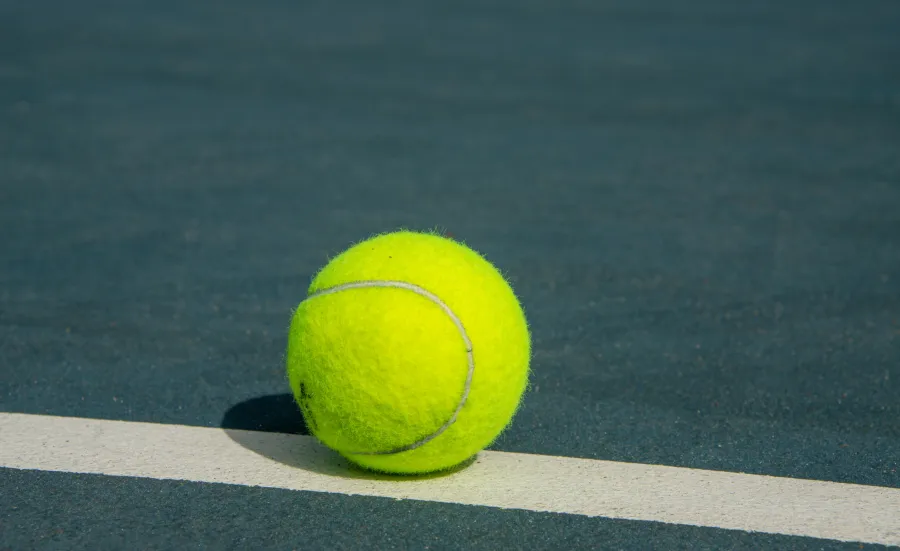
410,353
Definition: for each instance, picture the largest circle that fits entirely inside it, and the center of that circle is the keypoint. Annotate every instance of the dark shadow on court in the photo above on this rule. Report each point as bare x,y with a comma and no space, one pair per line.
273,426
273,413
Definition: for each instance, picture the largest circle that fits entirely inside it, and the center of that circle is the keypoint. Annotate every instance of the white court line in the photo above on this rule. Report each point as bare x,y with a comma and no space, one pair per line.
845,512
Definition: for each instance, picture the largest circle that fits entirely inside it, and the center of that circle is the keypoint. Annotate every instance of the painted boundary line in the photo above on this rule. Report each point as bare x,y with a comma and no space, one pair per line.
829,510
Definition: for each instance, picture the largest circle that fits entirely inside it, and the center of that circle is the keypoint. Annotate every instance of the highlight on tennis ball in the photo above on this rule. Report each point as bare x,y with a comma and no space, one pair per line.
410,353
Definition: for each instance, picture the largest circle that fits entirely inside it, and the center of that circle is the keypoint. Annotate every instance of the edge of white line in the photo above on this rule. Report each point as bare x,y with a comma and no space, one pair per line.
595,488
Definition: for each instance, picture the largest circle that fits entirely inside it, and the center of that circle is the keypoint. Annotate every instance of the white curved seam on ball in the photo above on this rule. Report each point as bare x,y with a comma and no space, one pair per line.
470,359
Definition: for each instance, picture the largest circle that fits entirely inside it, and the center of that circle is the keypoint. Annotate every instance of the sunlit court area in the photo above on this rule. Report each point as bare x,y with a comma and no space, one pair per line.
609,275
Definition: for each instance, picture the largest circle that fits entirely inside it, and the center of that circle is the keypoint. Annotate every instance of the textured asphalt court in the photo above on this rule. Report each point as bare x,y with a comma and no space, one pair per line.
698,204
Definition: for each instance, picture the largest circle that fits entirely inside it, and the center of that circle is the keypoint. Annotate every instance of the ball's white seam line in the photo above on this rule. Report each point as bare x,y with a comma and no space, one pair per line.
470,358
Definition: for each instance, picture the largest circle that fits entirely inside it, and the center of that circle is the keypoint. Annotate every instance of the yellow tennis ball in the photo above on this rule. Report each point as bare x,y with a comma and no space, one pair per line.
410,353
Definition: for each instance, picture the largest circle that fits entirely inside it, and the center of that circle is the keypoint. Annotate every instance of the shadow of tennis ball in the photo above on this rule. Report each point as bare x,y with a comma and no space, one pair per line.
273,413
273,427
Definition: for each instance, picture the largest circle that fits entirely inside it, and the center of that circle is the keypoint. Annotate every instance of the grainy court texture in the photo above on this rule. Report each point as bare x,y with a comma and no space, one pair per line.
698,205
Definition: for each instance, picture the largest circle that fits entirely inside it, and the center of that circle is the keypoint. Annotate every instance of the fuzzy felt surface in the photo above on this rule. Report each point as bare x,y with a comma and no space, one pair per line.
375,369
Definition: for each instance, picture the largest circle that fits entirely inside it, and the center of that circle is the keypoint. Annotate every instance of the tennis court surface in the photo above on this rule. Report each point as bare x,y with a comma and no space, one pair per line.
698,205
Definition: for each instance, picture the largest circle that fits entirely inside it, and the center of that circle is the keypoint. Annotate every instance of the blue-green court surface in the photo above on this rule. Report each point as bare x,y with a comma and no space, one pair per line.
698,204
